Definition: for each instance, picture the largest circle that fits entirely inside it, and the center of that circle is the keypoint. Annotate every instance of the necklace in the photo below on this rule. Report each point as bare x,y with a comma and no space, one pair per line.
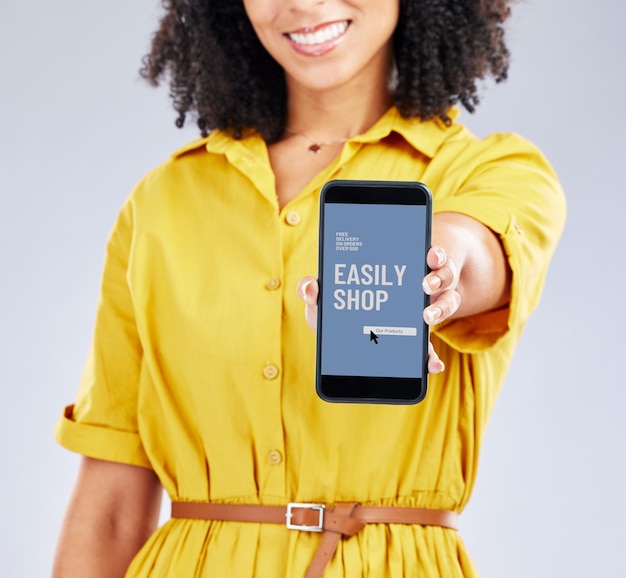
316,146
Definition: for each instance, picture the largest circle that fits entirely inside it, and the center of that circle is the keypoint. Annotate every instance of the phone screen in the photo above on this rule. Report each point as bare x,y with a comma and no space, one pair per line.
372,339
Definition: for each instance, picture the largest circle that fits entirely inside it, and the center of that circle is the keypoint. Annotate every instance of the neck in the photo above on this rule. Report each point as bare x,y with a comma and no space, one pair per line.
339,113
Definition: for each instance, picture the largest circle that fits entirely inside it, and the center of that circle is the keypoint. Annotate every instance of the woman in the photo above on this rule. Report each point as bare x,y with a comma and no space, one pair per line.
200,376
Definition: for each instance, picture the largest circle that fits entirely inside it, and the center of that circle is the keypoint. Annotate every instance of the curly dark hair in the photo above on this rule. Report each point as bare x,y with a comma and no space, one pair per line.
442,48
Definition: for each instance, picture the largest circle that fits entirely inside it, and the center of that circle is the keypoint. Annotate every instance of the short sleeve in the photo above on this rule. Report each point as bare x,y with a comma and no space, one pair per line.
102,423
512,189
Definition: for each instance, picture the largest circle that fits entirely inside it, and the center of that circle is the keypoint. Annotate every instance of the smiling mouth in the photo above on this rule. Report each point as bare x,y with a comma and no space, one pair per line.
310,37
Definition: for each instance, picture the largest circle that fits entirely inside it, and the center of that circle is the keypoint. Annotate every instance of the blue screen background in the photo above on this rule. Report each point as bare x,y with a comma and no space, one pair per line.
384,235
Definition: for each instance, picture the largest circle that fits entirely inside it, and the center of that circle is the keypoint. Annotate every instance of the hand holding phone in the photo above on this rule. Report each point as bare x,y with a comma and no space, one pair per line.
372,342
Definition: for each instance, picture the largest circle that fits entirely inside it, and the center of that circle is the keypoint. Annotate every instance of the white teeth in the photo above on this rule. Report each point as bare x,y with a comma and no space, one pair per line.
320,36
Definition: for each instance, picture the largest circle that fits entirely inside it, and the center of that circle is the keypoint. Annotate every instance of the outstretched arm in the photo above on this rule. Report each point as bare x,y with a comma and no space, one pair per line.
113,510
469,274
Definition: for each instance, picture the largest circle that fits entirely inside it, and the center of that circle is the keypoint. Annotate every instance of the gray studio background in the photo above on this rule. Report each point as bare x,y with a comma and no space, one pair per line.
77,131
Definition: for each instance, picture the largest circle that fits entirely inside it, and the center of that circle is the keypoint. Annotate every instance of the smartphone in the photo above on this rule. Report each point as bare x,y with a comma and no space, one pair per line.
372,341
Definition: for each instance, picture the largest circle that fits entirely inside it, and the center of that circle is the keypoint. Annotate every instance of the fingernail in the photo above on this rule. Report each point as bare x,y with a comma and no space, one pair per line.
431,283
441,257
305,286
432,314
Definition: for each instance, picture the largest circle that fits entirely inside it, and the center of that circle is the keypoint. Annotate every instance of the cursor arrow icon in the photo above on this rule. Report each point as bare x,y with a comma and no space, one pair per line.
374,337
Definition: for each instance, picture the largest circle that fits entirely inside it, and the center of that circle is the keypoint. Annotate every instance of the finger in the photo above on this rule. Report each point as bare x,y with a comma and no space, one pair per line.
447,277
444,306
431,283
310,314
308,289
436,257
435,365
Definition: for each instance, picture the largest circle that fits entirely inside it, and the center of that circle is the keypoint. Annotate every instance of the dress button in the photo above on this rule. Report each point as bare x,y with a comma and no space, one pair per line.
273,284
274,458
270,371
293,218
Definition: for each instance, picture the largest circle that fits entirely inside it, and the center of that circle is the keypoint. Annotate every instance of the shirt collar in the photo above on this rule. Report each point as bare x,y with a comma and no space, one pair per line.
426,137
220,141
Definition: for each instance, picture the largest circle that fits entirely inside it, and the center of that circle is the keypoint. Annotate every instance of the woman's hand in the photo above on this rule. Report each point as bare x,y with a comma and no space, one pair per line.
441,284
308,289
470,275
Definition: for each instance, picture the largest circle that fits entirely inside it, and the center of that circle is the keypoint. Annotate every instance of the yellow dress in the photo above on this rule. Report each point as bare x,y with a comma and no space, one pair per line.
202,365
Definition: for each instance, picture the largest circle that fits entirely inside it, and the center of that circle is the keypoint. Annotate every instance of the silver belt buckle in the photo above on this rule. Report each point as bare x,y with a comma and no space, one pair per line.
319,527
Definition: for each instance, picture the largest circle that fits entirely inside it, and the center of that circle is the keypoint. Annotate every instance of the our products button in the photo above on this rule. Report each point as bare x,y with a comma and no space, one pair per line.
397,331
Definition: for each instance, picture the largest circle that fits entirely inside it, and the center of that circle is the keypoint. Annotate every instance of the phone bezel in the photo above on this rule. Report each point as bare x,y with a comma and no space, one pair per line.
360,388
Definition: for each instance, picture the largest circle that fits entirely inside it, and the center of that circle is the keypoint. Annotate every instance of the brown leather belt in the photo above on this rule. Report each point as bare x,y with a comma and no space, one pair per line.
344,519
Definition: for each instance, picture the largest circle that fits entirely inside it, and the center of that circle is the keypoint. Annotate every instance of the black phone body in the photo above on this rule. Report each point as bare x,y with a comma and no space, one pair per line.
372,342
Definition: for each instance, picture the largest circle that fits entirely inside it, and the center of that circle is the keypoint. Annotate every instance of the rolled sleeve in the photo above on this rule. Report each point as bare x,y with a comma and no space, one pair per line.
103,423
97,441
514,192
